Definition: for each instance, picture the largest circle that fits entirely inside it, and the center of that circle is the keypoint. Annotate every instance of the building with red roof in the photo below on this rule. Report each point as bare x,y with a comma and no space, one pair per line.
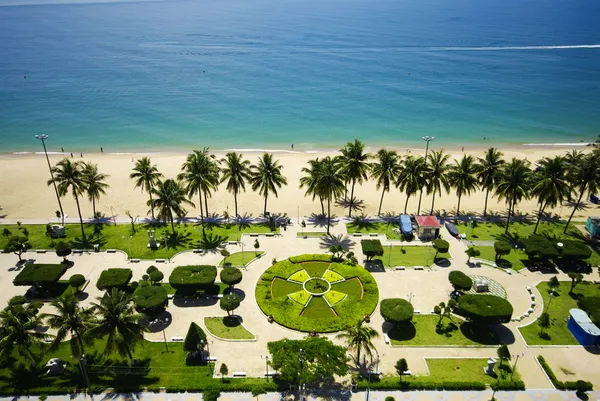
427,226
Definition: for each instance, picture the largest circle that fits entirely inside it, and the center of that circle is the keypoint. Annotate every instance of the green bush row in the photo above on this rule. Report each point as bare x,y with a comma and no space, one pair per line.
560,385
114,278
40,274
393,383
310,257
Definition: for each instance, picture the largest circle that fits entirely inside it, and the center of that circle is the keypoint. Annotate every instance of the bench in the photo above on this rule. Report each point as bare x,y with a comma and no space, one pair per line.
270,235
417,312
160,261
80,251
198,251
373,235
357,234
418,267
176,338
134,260
111,251
239,374
407,373
254,235
399,268
386,338
272,374
212,358
40,251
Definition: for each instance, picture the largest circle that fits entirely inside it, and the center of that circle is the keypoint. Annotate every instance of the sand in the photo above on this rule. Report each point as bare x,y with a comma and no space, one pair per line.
25,194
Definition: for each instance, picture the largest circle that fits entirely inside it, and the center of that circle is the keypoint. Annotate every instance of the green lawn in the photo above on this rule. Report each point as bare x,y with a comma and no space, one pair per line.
188,236
558,333
282,287
215,289
351,287
317,309
514,260
228,327
311,234
423,331
495,231
240,258
467,369
367,227
315,269
409,256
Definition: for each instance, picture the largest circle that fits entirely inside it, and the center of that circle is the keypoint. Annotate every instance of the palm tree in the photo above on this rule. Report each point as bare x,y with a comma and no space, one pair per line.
462,178
385,171
356,166
411,178
69,175
359,337
94,183
488,172
513,184
147,176
116,320
266,176
197,173
236,172
550,184
19,329
437,174
71,320
170,197
310,181
329,183
584,175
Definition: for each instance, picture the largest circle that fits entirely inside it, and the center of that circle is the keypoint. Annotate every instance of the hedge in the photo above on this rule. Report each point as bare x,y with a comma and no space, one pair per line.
371,248
538,247
502,248
76,281
150,300
231,276
192,278
440,245
310,258
560,385
425,383
485,309
396,310
574,250
114,278
460,281
40,274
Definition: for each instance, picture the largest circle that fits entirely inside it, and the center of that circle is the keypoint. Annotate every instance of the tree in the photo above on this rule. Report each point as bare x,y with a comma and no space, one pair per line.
513,185
371,248
485,309
146,176
440,246
437,174
19,329
503,354
63,250
236,172
231,276
396,310
329,183
501,248
224,371
359,337
462,177
584,174
543,322
401,367
488,172
385,172
355,163
576,278
472,253
94,183
132,218
310,181
445,310
195,339
258,389
550,184
169,201
69,320
76,281
17,244
229,303
411,178
69,176
117,321
337,251
553,283
6,232
266,177
156,276
308,361
256,246
460,281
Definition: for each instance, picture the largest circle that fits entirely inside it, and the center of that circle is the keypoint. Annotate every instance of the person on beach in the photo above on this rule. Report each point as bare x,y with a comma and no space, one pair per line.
292,146
71,154
62,149
81,155
101,150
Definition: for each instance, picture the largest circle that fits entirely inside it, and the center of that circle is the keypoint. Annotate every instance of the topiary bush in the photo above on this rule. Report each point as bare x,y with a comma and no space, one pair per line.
485,309
63,250
460,281
371,248
150,300
114,278
539,247
192,278
40,275
501,248
231,276
156,276
76,281
440,246
396,310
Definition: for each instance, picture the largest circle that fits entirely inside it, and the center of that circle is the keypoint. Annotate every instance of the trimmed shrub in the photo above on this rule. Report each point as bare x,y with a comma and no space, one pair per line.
396,310
151,269
150,300
575,250
460,281
114,278
229,303
486,309
231,276
156,276
17,300
310,258
560,385
538,247
440,245
62,249
40,275
76,281
195,338
192,278
371,248
502,248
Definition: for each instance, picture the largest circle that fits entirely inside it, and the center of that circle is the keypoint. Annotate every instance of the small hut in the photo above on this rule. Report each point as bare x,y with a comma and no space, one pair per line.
427,227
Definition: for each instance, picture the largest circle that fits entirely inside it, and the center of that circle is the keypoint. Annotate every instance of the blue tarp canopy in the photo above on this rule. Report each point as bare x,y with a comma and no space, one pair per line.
405,225
452,229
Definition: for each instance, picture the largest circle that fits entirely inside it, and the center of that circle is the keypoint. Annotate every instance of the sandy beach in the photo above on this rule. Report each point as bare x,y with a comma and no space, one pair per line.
25,194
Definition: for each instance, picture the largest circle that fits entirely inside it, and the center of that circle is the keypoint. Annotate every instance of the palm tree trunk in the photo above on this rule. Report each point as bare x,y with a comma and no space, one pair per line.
328,213
94,207
358,355
381,202
265,211
201,213
351,198
80,218
508,217
235,203
151,205
172,223
419,207
80,341
206,204
406,203
540,213
129,353
487,192
432,202
322,206
575,207
457,209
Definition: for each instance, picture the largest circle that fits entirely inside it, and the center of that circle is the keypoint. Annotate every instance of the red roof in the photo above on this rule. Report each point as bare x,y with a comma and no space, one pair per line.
427,221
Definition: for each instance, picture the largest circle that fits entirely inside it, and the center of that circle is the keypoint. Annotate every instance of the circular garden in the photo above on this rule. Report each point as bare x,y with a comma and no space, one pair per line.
311,293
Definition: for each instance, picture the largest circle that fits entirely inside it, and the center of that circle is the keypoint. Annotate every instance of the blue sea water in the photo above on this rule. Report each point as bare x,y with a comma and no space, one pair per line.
176,75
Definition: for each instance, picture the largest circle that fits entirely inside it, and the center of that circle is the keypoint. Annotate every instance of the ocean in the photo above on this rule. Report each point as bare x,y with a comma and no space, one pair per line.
265,74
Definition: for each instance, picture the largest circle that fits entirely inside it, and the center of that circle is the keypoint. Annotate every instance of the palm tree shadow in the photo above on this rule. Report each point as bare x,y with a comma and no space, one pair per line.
354,204
318,220
390,217
340,239
88,242
212,241
360,223
244,221
179,240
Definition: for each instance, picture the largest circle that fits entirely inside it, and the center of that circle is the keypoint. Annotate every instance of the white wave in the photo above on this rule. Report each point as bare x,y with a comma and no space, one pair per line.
498,48
559,144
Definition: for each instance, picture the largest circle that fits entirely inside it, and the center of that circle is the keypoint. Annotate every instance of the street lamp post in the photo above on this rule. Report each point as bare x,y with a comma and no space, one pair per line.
515,365
267,366
128,245
301,359
43,137
410,297
164,335
243,261
550,301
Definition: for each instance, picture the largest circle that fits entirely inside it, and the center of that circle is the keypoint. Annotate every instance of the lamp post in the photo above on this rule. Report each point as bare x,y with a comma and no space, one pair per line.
43,137
243,261
389,255
410,295
267,366
515,365
301,359
128,245
550,301
164,335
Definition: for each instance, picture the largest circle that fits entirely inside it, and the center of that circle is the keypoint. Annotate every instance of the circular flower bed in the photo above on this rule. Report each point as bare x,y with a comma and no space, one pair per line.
309,293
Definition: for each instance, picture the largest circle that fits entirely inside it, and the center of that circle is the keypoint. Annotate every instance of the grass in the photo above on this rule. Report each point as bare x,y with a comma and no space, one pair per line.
301,297
300,276
228,327
282,287
311,234
333,297
514,260
369,227
467,369
215,289
315,269
422,331
558,333
517,230
351,287
240,258
317,308
409,256
332,276
187,236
